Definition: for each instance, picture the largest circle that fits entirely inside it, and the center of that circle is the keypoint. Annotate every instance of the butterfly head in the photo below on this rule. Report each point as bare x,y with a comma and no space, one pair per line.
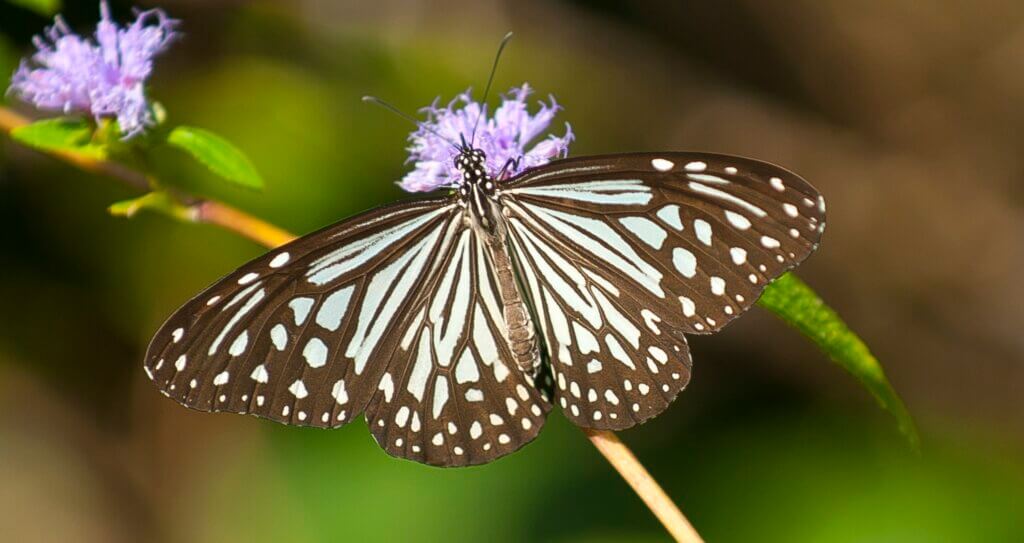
472,165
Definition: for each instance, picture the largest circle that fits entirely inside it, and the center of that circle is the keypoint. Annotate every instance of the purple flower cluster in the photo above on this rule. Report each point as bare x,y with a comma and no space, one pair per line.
105,78
502,137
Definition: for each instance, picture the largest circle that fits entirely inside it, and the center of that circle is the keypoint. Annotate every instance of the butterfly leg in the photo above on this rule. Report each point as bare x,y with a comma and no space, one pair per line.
511,164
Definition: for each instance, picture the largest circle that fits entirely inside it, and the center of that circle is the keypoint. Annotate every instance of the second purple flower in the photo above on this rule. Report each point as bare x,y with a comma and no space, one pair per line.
104,78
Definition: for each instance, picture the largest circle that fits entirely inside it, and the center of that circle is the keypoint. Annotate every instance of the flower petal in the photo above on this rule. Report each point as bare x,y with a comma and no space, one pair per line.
502,137
105,78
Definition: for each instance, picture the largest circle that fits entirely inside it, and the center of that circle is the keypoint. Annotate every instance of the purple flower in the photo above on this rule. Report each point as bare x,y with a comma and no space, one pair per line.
105,78
502,137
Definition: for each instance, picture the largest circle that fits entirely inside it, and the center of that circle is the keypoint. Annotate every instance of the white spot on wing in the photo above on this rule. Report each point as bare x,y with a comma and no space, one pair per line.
315,353
440,395
339,393
647,230
662,165
279,336
703,231
298,389
421,367
670,215
737,220
651,320
301,307
332,310
387,386
689,309
685,262
280,260
238,346
725,196
618,352
739,255
260,375
466,370
586,340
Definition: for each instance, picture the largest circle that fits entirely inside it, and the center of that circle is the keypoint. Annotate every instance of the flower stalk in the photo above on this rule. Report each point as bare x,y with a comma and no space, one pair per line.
197,211
269,235
626,463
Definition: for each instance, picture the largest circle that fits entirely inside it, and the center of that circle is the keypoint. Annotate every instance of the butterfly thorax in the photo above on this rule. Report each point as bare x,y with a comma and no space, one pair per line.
477,192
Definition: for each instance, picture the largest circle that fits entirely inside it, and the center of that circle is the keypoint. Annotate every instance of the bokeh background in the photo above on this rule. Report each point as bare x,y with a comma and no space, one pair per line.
908,116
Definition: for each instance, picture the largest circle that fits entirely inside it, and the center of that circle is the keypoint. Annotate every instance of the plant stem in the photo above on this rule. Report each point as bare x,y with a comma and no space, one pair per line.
203,211
626,463
9,120
269,235
242,223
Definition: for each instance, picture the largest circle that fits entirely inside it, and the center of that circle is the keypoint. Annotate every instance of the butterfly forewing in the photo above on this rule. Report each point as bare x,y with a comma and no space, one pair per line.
623,254
293,335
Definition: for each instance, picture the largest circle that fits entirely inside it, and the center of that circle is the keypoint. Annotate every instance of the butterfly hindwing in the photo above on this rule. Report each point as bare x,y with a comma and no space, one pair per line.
628,252
611,370
458,399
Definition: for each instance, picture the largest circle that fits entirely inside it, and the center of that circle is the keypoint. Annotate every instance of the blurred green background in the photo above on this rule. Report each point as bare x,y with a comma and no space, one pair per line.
908,117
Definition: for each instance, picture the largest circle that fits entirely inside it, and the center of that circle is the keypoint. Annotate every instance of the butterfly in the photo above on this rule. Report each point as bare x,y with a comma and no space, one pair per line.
455,323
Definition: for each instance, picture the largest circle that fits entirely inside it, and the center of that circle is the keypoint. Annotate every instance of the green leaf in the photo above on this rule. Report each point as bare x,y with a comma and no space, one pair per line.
794,302
42,7
158,201
61,134
217,154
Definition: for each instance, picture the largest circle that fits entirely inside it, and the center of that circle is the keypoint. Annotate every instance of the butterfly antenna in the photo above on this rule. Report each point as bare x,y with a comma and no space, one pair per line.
419,124
487,89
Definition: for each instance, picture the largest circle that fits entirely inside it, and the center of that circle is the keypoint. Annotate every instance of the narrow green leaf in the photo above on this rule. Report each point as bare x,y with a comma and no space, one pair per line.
217,154
794,302
158,201
42,7
61,134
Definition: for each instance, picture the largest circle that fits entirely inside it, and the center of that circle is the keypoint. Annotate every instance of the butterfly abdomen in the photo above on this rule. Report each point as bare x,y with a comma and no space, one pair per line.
520,328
